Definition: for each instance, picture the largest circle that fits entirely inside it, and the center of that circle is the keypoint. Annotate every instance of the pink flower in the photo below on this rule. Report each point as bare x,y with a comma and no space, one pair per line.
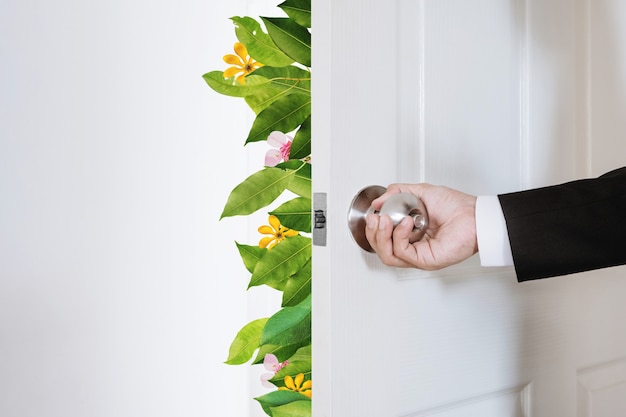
271,364
282,146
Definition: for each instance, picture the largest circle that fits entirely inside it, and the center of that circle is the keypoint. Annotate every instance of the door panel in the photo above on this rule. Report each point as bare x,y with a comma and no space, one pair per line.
486,96
471,56
601,390
606,84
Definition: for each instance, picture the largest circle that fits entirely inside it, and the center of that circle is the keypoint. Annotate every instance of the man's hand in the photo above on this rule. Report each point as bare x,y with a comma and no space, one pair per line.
449,239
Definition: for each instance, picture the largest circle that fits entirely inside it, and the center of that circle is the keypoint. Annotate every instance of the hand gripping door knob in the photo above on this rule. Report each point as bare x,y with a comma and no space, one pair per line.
397,207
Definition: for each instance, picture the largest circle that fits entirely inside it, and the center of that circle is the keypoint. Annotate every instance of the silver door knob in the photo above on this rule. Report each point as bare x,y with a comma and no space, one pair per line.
398,206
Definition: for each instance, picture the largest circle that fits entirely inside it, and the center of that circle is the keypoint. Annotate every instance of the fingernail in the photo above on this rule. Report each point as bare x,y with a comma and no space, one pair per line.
383,221
370,222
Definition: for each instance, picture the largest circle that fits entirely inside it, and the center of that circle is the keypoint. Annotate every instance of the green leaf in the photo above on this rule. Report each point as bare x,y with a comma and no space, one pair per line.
257,191
292,164
264,98
293,368
282,352
301,182
298,10
293,39
298,286
295,214
276,83
258,92
284,114
295,80
280,398
246,342
250,255
303,354
259,44
301,145
297,408
254,85
282,261
288,325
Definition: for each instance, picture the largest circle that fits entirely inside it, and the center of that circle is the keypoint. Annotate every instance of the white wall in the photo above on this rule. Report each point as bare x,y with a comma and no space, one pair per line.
119,289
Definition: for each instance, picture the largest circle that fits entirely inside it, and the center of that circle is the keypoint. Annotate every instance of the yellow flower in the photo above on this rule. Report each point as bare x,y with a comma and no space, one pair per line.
276,232
242,63
297,385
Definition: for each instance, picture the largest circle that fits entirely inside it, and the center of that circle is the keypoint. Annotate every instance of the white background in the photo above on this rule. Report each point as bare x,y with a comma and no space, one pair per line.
120,291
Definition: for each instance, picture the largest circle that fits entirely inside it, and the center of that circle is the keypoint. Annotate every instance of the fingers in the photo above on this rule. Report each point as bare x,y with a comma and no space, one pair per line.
451,232
384,239
410,253
400,238
379,233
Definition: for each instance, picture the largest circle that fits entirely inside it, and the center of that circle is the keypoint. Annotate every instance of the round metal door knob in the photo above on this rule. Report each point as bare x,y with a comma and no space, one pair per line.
397,207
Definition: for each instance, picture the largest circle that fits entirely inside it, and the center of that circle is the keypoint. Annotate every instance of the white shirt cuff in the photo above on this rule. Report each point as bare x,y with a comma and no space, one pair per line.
494,248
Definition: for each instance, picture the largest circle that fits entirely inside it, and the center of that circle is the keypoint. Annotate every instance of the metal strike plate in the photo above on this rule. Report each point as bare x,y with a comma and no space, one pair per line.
319,219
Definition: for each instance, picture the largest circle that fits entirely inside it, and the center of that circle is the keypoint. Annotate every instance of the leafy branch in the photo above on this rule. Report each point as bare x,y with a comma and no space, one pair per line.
271,70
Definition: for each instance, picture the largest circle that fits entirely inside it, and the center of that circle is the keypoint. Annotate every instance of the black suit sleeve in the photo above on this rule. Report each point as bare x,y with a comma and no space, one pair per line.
572,227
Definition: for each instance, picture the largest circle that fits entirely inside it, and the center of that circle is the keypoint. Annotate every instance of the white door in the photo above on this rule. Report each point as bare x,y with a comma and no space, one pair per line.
487,96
